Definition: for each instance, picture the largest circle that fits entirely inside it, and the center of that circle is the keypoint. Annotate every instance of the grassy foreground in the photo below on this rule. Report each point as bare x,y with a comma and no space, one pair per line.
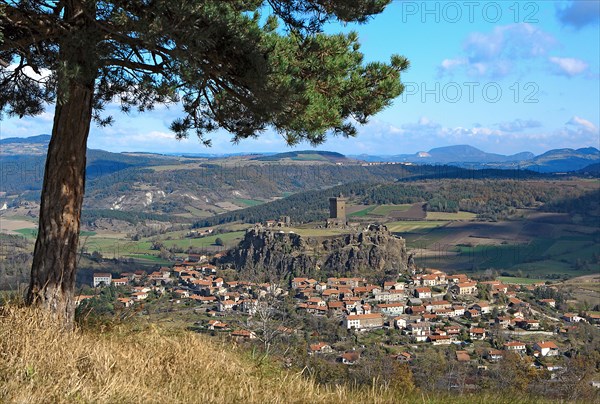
132,364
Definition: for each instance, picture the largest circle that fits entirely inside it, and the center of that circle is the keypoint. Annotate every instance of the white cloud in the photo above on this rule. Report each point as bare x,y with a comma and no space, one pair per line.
519,125
582,124
568,66
497,53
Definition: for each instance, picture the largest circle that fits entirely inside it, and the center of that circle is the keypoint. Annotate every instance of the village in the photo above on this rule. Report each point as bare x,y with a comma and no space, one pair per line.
485,320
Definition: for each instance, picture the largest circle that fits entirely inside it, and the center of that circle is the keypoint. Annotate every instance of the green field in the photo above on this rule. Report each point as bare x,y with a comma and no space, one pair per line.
408,226
519,281
384,210
362,212
451,216
309,157
22,217
537,258
114,248
148,258
29,233
198,212
32,233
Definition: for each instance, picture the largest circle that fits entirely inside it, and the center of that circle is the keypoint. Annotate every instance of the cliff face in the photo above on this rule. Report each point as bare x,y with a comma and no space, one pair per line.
373,252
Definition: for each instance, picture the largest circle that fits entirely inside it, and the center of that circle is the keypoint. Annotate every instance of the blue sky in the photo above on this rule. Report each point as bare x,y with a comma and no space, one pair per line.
503,76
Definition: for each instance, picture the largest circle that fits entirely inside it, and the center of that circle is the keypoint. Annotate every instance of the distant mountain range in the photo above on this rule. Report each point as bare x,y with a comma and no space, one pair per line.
451,154
557,160
32,146
552,161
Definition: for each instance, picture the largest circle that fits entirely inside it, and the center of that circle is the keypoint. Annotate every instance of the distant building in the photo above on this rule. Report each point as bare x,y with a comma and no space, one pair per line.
101,279
545,348
363,321
337,212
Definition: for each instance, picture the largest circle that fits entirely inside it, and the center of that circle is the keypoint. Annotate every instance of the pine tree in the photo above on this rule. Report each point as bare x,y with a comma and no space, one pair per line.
243,66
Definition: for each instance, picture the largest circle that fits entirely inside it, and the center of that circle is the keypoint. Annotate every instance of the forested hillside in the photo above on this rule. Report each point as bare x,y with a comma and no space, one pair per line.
490,200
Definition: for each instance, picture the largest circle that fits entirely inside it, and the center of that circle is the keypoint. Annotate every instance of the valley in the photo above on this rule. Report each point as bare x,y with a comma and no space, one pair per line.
244,248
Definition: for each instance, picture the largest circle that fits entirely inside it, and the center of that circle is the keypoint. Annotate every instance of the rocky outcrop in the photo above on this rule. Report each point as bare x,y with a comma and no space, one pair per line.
372,252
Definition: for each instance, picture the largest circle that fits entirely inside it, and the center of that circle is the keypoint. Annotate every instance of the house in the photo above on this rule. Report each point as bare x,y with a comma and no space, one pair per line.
439,339
593,318
363,321
125,301
81,298
458,278
391,295
400,322
243,335
349,358
320,347
482,307
226,305
477,333
403,357
250,306
529,324
413,301
101,279
516,303
182,293
428,316
217,325
139,296
120,282
335,306
503,321
494,355
331,294
546,348
391,309
548,302
423,293
217,283
416,309
472,313
166,272
321,287
299,282
347,282
444,313
419,328
438,305
464,288
429,280
515,346
458,310
393,285
571,318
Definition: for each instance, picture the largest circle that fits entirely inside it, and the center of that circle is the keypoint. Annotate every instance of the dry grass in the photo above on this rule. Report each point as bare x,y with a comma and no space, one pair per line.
39,363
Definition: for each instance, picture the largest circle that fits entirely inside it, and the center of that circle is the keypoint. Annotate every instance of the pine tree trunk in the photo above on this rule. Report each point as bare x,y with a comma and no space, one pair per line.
53,271
52,284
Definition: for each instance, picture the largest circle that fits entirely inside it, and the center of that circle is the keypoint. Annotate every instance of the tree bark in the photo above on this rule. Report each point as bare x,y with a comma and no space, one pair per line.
54,267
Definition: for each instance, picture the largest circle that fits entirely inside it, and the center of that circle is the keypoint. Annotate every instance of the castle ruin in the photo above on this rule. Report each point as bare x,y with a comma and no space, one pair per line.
337,212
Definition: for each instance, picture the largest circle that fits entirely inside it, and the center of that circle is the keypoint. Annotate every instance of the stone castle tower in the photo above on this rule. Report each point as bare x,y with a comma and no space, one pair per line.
337,211
337,208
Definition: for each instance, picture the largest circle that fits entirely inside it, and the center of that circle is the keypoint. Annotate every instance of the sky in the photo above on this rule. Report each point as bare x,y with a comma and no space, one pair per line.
503,76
